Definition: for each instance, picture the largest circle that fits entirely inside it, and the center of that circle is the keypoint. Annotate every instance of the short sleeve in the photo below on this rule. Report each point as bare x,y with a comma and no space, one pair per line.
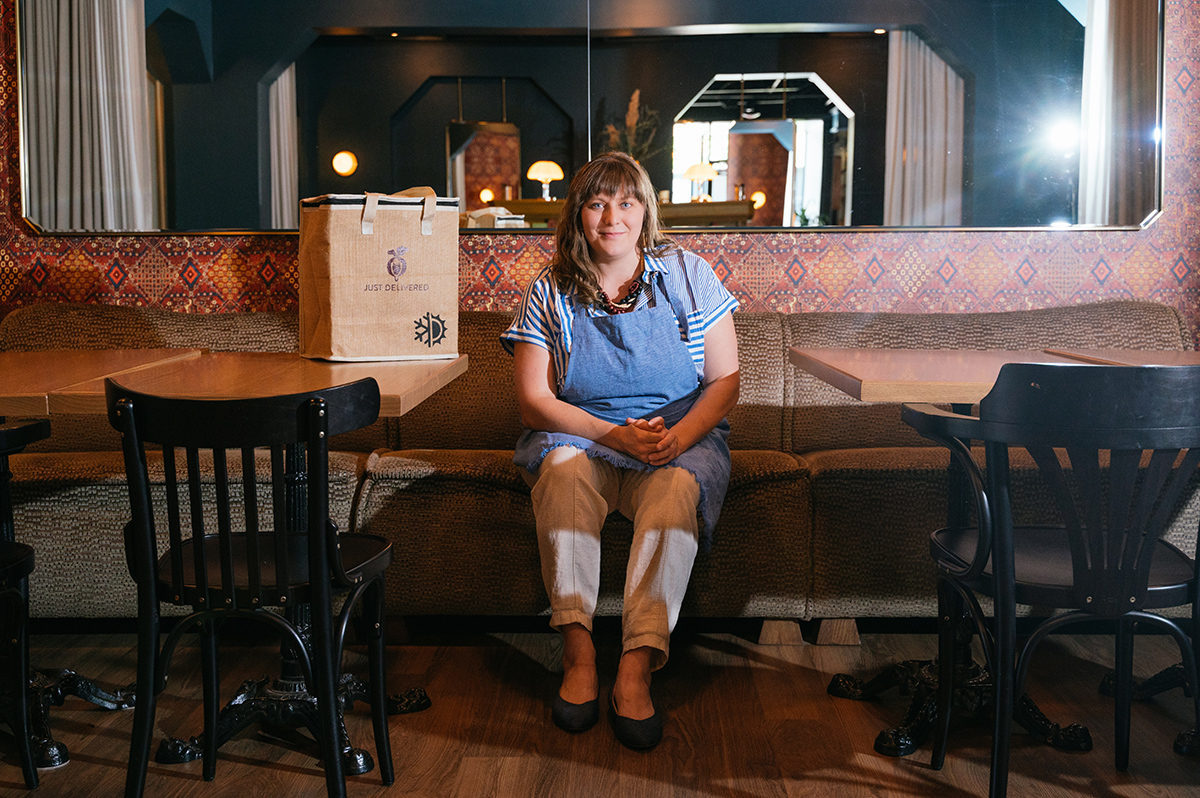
534,320
710,295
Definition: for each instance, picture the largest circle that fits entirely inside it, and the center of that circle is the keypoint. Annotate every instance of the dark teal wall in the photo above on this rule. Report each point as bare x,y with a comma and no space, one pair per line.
351,89
218,131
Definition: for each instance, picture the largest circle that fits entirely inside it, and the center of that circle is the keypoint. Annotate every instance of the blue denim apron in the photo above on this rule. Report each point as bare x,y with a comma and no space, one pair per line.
634,365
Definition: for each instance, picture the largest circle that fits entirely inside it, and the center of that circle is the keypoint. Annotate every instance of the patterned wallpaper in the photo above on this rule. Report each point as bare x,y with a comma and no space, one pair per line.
917,271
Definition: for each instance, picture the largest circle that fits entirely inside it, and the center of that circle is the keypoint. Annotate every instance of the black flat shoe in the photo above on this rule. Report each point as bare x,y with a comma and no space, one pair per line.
640,735
574,717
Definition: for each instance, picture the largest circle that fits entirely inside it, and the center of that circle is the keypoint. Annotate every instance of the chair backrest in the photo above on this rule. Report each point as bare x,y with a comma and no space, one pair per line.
284,440
15,436
1131,438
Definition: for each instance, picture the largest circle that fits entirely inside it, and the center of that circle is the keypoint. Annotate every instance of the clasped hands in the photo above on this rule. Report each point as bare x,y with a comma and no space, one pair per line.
650,440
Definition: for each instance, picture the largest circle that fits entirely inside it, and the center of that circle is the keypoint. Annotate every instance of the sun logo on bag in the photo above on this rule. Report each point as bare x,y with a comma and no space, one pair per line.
431,329
396,265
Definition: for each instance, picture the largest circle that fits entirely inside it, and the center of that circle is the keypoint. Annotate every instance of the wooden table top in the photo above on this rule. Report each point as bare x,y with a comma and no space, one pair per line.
954,376
27,378
403,384
1132,357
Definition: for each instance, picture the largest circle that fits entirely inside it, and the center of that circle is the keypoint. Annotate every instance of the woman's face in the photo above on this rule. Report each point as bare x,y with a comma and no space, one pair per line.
612,226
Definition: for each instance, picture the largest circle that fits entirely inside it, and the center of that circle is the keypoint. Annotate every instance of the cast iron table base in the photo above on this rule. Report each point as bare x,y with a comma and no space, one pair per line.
1188,742
50,688
285,704
972,684
972,695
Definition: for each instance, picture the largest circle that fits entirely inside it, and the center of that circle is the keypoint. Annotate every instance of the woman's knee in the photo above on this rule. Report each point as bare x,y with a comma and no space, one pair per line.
668,500
563,467
568,481
677,482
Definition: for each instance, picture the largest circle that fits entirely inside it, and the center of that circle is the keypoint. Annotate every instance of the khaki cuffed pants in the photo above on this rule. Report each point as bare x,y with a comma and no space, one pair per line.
572,496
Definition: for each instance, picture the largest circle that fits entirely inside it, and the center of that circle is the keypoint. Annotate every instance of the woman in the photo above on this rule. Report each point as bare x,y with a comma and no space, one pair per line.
626,365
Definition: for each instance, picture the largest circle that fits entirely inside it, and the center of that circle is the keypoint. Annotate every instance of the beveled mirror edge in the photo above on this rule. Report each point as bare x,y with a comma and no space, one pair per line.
1159,190
669,231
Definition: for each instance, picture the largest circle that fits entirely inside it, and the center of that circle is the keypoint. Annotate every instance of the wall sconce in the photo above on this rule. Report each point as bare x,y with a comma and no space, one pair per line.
759,199
544,172
487,195
344,163
699,173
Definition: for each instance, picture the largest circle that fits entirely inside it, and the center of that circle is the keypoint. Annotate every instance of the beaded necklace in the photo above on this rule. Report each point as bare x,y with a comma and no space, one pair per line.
625,305
630,301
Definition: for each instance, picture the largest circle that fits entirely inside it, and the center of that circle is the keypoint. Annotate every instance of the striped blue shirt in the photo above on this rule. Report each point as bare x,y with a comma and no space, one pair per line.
545,314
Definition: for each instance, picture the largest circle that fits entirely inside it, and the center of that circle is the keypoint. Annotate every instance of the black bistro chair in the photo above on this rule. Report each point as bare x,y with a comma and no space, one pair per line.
237,547
1117,446
16,564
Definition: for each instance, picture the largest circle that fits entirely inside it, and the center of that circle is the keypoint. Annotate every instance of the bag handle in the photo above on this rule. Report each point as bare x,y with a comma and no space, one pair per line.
371,207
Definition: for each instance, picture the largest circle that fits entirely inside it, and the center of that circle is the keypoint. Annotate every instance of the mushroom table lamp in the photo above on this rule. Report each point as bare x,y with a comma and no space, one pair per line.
699,173
544,172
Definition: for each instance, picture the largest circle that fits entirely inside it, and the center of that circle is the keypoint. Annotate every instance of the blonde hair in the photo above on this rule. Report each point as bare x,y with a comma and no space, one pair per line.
617,175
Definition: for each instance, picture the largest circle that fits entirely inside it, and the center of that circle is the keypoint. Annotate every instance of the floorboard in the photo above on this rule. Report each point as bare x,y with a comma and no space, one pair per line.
744,719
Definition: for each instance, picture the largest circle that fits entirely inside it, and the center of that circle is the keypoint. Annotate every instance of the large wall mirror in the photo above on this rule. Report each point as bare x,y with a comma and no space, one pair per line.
197,115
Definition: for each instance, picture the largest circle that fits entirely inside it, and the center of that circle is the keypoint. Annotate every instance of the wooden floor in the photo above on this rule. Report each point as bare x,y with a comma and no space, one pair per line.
743,719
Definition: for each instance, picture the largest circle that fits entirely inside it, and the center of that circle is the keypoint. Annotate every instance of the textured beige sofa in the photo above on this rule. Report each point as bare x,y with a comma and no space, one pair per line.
831,500
828,513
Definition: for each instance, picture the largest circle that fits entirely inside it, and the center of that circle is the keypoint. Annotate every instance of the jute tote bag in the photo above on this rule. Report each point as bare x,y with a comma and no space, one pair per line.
379,276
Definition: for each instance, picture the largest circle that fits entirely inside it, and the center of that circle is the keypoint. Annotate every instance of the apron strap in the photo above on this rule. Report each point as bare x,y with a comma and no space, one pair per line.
676,304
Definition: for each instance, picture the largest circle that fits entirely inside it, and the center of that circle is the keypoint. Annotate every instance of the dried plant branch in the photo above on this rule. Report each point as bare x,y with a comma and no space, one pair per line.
637,134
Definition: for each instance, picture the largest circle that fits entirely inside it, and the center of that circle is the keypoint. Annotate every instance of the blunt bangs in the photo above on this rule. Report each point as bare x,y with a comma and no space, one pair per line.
615,177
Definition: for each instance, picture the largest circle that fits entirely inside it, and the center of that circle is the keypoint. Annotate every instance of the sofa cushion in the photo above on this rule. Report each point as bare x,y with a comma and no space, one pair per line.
73,326
874,509
759,420
462,529
477,410
461,526
72,510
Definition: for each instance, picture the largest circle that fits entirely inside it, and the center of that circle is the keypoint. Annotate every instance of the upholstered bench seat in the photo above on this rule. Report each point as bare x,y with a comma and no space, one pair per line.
831,500
436,505
828,513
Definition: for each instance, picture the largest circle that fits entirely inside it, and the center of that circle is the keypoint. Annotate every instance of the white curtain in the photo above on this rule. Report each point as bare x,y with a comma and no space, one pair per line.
88,142
924,157
1116,154
285,181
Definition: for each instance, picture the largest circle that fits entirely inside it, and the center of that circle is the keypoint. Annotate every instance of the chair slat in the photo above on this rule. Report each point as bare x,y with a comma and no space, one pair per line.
1127,505
279,514
226,595
196,507
174,533
253,530
1174,489
1056,479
